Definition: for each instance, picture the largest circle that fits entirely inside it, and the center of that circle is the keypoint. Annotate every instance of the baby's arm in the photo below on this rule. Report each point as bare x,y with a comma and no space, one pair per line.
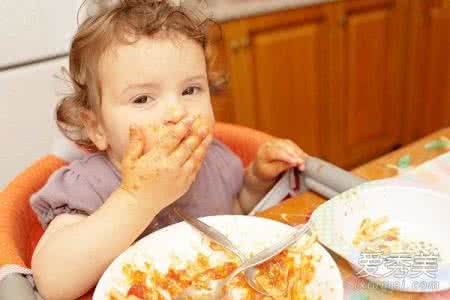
253,190
272,159
76,250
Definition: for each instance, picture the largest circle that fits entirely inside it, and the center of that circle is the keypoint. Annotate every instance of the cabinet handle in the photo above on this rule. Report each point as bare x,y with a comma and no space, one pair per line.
245,42
343,21
235,45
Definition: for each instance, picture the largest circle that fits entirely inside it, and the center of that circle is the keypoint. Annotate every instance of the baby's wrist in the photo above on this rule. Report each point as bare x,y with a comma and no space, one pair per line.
256,182
136,200
127,194
148,203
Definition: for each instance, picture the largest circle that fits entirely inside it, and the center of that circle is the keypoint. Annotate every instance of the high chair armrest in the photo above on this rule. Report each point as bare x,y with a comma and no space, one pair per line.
325,174
319,176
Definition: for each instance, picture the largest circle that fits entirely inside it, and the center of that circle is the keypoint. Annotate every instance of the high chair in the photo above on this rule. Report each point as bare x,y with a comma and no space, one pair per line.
20,230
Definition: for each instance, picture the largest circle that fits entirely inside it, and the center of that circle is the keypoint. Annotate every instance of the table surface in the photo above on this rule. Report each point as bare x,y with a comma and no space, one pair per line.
296,210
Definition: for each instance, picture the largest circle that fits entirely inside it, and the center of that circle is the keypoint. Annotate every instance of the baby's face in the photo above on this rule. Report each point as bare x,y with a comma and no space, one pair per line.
143,82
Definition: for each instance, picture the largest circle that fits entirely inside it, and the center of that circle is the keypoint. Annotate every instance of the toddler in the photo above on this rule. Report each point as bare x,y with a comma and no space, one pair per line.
141,100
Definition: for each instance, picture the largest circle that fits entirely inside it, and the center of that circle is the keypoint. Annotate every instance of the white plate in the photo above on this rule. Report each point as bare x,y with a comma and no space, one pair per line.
251,234
420,214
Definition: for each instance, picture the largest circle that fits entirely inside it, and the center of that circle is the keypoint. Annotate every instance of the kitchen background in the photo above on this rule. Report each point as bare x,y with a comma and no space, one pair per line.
347,80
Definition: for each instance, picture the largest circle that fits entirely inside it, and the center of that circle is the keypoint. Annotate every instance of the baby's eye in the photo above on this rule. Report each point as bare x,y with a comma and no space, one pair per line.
142,100
191,90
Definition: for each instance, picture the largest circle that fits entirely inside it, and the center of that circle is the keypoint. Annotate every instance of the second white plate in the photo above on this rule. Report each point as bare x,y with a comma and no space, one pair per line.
420,214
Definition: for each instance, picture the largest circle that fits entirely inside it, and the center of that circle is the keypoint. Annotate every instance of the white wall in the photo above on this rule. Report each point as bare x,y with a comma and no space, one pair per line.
27,129
33,29
35,36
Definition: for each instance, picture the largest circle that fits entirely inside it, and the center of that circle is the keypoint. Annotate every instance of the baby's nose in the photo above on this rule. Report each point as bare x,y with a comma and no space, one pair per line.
175,113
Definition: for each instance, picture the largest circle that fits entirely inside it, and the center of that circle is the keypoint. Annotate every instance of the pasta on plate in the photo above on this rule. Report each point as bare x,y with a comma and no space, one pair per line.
285,277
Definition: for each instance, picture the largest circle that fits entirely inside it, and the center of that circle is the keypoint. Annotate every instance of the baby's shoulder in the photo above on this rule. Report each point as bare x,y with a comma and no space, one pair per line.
223,166
79,187
93,165
222,156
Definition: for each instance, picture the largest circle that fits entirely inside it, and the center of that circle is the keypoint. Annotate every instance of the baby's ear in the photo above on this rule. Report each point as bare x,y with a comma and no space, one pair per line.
94,129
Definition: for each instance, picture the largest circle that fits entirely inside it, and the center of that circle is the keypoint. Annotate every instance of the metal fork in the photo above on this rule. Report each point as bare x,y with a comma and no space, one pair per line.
263,256
221,239
247,265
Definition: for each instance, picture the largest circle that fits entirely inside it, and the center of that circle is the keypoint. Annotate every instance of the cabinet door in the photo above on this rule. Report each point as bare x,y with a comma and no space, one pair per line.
369,58
429,70
279,69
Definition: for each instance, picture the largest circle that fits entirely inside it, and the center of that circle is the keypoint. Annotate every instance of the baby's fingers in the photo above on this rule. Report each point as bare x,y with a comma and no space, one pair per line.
135,147
278,167
194,163
298,153
200,152
187,148
280,154
176,133
297,150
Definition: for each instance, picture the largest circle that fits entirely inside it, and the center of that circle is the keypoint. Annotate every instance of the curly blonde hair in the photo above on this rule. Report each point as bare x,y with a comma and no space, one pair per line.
123,22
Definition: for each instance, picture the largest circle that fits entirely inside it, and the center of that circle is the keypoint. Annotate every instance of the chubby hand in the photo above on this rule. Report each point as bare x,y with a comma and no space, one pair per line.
276,156
166,171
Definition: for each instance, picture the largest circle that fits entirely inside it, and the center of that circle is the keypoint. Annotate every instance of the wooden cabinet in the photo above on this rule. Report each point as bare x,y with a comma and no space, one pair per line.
347,80
279,70
368,48
428,78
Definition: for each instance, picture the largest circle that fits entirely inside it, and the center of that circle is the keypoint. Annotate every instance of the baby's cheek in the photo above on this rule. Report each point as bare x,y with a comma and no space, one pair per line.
118,144
209,121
